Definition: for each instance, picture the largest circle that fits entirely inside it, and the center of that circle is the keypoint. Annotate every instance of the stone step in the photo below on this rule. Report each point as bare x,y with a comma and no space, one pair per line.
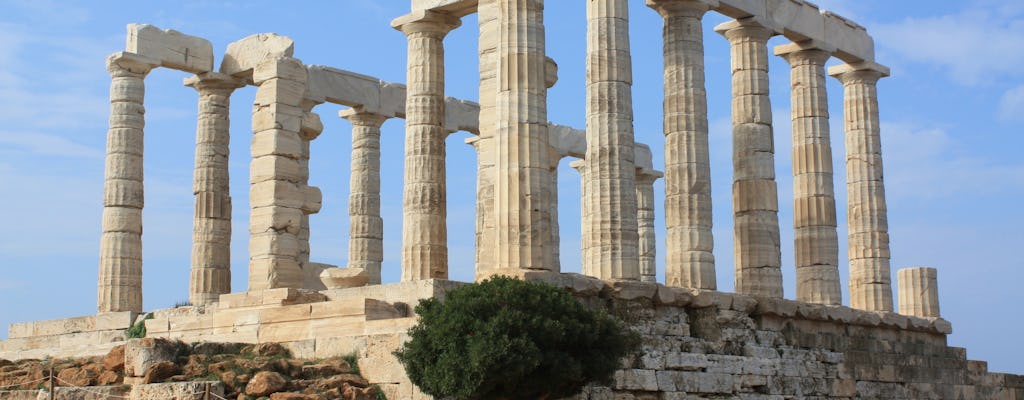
89,323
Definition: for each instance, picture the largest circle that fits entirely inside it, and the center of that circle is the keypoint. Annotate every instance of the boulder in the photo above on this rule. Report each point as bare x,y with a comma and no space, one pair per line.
264,383
161,371
114,360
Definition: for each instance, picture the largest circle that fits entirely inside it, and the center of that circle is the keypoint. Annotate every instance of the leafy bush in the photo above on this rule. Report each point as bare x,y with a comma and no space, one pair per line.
138,330
509,339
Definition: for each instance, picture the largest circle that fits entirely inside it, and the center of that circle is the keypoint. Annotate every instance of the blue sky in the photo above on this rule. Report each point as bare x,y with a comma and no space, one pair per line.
951,126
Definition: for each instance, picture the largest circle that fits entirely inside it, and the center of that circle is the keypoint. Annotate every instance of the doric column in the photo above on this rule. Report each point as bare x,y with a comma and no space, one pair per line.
555,262
645,223
522,169
755,199
211,230
919,291
487,17
120,277
279,196
689,261
613,251
424,229
366,228
814,201
585,219
867,223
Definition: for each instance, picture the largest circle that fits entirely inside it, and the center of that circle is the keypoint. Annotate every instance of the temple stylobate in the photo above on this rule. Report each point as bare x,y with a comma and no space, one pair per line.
518,152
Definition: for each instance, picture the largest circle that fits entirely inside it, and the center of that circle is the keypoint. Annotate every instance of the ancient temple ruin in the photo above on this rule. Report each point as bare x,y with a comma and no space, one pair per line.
813,346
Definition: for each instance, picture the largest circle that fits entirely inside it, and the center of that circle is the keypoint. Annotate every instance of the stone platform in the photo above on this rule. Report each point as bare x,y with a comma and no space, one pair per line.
697,343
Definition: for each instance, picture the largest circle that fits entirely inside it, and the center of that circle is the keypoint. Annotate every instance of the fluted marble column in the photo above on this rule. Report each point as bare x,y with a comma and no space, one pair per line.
867,222
366,228
919,291
555,262
754,191
689,261
211,231
645,223
585,219
487,17
614,241
814,201
424,206
120,276
522,169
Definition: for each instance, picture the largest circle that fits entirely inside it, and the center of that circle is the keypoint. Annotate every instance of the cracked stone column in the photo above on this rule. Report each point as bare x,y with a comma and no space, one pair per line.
645,223
119,285
919,291
366,228
211,232
309,129
867,223
424,229
487,17
814,201
522,169
754,191
613,252
279,195
689,261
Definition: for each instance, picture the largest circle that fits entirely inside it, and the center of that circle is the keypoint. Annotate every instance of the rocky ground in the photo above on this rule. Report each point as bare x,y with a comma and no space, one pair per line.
248,372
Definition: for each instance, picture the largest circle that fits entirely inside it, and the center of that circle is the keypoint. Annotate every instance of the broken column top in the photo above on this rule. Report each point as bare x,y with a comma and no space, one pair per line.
171,48
244,55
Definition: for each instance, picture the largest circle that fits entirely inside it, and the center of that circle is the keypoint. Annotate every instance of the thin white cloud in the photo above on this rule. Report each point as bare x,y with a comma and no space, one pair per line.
976,46
41,144
932,164
1011,105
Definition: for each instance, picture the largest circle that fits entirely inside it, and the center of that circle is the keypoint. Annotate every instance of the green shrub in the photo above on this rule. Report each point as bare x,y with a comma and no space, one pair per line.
508,339
138,330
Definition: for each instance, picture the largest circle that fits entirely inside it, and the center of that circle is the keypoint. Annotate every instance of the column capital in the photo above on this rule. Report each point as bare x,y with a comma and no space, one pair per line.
426,21
213,81
748,28
863,72
682,8
647,175
810,51
124,63
360,117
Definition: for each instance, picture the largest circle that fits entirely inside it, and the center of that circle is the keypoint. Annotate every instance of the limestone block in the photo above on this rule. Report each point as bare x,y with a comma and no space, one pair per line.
140,354
631,290
266,219
351,89
461,115
275,168
850,40
171,48
800,18
276,116
244,55
341,278
276,142
194,390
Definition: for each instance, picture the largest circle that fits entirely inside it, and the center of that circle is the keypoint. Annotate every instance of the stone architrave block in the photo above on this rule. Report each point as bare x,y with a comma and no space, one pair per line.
244,55
850,40
350,89
801,18
172,48
461,115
